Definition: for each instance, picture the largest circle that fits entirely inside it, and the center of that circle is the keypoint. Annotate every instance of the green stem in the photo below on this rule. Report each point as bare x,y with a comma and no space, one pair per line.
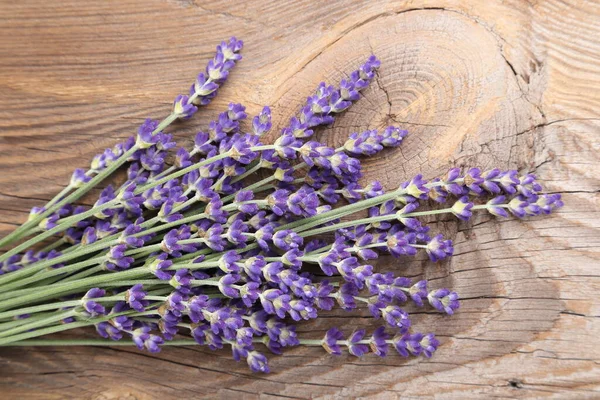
34,221
388,217
135,282
369,220
94,342
22,321
248,172
60,195
62,289
64,327
92,248
83,274
44,235
58,305
181,172
47,274
36,324
53,245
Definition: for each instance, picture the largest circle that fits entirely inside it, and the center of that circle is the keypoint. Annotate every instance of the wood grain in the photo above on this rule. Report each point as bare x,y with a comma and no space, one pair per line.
496,83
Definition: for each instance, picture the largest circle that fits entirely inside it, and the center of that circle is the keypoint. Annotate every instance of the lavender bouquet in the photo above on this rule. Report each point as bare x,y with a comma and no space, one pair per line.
204,250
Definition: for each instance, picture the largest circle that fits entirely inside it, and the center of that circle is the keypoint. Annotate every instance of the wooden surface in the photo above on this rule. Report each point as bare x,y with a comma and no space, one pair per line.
509,84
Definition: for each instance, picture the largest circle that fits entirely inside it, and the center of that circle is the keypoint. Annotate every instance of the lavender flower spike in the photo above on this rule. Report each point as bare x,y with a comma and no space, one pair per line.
206,85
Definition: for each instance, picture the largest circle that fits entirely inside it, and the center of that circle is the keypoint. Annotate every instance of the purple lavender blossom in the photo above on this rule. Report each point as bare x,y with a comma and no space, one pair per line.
462,208
444,300
92,307
134,297
330,341
79,178
439,249
262,122
116,259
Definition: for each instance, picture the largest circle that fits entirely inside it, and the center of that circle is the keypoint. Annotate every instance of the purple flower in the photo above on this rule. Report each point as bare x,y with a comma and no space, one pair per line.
92,307
439,249
354,347
330,341
518,206
292,258
528,186
183,158
323,300
346,296
262,122
171,242
444,300
387,288
392,136
214,210
236,234
302,309
416,187
287,240
227,285
271,272
489,178
153,159
175,304
183,108
303,203
195,307
146,136
399,244
239,148
257,362
228,262
263,236
143,339
418,292
378,342
134,297
106,330
462,208
236,111
286,145
277,201
79,178
549,202
396,317
258,321
496,206
249,293
473,180
254,267
202,144
274,301
181,280
203,336
49,222
89,236
127,235
366,143
159,267
116,258
243,199
429,344
508,181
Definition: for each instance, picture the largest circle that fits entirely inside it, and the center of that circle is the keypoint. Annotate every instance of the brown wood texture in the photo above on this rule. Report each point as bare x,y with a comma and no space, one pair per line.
509,84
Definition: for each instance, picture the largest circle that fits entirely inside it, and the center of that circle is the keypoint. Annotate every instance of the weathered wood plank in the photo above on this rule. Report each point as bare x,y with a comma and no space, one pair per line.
497,83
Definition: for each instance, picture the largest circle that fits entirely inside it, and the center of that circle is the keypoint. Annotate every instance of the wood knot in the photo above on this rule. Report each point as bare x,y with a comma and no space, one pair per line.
516,383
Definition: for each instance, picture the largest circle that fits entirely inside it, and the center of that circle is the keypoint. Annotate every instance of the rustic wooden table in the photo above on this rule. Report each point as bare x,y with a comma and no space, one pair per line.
509,84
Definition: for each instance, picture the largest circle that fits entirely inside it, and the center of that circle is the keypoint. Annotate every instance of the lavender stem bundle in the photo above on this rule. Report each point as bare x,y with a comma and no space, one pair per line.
203,249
